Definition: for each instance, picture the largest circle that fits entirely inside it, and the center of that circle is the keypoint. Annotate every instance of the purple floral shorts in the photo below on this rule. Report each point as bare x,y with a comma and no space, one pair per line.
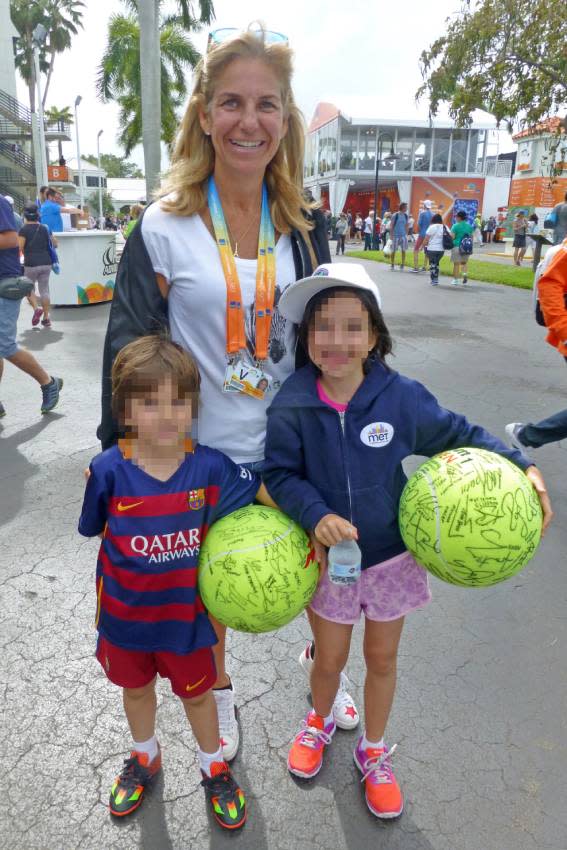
383,592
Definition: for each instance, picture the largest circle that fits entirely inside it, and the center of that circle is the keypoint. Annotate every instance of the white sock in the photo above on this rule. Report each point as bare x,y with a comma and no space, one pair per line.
329,720
150,747
206,759
365,744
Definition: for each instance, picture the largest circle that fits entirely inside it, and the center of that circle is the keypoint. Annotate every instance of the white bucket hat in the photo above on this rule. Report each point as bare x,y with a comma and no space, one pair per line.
427,204
295,298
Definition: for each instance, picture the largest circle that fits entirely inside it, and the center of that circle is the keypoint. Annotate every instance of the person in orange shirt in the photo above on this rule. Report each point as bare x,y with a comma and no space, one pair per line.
552,291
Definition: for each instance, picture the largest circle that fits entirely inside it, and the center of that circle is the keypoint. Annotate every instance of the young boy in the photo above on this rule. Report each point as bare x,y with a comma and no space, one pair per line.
151,500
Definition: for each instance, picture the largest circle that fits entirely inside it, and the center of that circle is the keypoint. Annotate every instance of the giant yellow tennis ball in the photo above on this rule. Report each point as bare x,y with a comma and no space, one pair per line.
256,570
470,517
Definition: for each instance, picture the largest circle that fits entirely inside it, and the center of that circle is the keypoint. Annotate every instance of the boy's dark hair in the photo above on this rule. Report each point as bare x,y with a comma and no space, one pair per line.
383,346
462,215
141,364
437,218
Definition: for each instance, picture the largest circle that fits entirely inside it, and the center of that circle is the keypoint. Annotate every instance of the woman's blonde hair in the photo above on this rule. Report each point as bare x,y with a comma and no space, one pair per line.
136,210
193,158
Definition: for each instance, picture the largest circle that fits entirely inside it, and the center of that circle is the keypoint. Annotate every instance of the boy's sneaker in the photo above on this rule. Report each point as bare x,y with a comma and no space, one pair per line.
37,314
46,322
415,271
345,713
305,757
434,283
128,788
455,281
383,795
228,722
513,432
50,393
464,279
227,800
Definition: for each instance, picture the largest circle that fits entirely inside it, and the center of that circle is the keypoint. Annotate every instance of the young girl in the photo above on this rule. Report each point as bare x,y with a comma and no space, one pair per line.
338,432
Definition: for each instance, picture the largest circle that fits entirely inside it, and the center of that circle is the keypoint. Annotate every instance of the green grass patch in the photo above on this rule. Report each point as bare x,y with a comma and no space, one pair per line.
487,272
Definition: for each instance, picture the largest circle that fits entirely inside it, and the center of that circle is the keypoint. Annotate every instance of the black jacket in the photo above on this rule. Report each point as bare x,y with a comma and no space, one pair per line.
138,307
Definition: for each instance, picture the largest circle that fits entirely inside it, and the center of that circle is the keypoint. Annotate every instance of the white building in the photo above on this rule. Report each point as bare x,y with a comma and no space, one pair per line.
126,191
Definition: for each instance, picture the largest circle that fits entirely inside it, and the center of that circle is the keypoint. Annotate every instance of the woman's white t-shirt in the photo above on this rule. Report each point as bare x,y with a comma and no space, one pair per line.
435,233
184,252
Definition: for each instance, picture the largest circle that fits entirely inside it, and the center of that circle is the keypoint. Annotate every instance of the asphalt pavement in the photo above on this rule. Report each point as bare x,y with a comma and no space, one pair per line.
480,714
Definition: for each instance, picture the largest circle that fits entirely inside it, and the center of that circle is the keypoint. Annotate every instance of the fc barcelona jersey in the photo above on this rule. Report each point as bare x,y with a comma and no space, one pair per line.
146,578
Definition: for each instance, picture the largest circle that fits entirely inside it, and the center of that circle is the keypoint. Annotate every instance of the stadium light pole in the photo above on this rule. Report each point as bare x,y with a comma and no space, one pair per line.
78,99
38,39
150,80
99,134
391,157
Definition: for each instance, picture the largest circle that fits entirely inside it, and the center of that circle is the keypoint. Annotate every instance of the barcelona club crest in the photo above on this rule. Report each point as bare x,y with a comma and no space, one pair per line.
196,499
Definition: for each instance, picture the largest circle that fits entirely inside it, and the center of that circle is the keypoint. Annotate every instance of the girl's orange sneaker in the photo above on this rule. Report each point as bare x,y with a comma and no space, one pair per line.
383,795
306,754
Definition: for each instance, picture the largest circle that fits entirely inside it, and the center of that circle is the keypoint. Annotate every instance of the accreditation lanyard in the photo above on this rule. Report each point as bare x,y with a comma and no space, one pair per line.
265,278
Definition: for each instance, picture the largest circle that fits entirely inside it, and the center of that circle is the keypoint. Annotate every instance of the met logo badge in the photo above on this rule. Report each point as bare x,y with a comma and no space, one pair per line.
377,435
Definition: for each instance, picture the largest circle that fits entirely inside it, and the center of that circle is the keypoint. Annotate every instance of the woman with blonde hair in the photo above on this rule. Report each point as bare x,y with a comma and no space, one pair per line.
211,257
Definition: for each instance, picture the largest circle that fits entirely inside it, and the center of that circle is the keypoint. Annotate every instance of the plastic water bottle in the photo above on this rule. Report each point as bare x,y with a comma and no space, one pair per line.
344,562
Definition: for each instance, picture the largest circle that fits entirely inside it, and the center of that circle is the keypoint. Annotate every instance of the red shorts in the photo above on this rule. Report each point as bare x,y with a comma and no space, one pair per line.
190,675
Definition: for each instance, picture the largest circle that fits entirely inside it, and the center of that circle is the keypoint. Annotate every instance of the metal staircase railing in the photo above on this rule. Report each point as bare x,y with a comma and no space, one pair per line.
10,151
10,177
14,110
19,199
53,130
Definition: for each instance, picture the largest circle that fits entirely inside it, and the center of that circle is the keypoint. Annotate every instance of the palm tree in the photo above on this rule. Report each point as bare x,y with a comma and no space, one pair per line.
150,71
61,18
59,117
65,17
120,78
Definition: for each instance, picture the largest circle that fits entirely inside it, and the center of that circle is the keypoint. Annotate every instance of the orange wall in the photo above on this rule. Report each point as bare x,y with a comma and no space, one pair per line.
537,192
443,191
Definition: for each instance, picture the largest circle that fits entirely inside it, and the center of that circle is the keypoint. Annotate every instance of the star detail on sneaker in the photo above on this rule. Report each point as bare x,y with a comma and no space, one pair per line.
351,711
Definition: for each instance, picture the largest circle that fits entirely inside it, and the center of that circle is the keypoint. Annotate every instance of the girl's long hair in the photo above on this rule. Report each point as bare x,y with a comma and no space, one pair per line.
193,158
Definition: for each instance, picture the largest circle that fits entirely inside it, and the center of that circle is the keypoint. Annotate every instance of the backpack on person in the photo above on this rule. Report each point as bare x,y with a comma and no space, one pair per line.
466,246
448,243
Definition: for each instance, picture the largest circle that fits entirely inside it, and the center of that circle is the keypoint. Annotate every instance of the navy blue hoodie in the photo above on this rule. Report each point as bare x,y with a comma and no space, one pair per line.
320,462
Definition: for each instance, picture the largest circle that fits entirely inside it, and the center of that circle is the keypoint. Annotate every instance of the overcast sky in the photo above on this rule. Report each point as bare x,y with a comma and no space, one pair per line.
362,55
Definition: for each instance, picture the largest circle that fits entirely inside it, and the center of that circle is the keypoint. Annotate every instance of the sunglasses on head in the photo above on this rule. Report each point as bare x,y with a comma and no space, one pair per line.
226,33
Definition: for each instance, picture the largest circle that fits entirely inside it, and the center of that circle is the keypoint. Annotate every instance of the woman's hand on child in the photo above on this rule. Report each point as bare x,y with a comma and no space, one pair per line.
535,476
333,528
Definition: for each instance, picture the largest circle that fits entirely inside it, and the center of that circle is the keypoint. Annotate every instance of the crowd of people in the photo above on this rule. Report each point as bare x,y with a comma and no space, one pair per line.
231,265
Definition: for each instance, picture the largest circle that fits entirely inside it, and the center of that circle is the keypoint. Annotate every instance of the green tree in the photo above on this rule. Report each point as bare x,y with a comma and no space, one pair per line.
119,77
59,116
507,57
115,166
107,205
61,18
